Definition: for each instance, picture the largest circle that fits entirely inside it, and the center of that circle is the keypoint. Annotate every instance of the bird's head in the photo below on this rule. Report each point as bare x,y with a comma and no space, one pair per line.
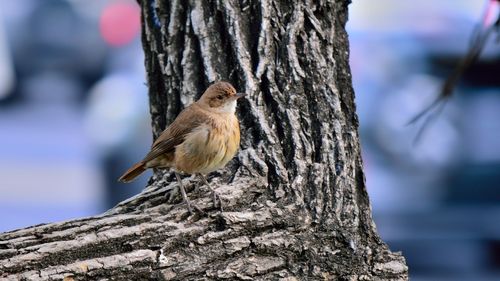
220,97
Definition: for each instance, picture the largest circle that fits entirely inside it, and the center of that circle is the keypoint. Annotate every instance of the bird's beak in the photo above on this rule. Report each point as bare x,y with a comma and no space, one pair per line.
240,95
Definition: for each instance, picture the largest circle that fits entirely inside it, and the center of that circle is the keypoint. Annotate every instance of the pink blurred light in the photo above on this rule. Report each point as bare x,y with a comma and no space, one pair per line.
120,23
491,13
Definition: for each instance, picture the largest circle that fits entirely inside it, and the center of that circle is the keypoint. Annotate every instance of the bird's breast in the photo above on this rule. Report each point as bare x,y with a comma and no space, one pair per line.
208,147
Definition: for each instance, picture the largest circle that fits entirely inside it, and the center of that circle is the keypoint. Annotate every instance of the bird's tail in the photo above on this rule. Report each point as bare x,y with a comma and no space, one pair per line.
133,172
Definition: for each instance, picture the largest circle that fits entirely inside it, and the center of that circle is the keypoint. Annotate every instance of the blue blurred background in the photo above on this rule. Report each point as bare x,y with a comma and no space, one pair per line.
73,107
437,200
74,116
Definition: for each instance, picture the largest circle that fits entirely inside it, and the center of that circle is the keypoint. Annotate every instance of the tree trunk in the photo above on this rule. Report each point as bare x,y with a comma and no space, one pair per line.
295,202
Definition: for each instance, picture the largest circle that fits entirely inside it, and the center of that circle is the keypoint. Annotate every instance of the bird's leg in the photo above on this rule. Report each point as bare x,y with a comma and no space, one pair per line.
183,192
215,195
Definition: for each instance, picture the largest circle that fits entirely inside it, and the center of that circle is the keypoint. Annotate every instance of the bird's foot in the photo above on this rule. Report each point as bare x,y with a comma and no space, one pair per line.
192,207
215,195
189,207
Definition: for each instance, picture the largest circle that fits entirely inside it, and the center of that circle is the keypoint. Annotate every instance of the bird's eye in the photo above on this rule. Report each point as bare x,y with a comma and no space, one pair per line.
220,97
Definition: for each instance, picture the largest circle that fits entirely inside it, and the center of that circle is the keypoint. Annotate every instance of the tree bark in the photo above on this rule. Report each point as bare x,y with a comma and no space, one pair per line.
295,202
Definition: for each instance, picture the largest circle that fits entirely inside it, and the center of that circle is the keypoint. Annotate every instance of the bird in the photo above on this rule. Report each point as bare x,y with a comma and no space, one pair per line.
203,138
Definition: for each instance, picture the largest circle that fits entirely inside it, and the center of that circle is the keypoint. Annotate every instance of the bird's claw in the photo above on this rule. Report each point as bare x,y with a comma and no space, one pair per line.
192,207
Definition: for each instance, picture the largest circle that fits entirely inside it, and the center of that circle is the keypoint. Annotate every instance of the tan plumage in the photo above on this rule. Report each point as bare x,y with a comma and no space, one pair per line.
203,138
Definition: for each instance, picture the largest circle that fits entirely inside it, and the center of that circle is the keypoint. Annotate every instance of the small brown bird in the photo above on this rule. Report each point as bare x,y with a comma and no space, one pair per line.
202,139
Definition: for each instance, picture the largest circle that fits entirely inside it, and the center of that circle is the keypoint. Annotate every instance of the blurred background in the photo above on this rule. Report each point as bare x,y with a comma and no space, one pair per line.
438,199
73,108
74,115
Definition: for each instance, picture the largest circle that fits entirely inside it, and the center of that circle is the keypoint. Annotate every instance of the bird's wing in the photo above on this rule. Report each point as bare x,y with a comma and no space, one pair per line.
173,135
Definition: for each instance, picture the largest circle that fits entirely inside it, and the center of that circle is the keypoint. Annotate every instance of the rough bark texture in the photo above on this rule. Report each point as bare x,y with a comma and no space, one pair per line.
296,206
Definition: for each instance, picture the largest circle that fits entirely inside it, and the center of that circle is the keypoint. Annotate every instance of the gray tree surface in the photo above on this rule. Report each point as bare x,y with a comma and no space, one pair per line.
296,206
